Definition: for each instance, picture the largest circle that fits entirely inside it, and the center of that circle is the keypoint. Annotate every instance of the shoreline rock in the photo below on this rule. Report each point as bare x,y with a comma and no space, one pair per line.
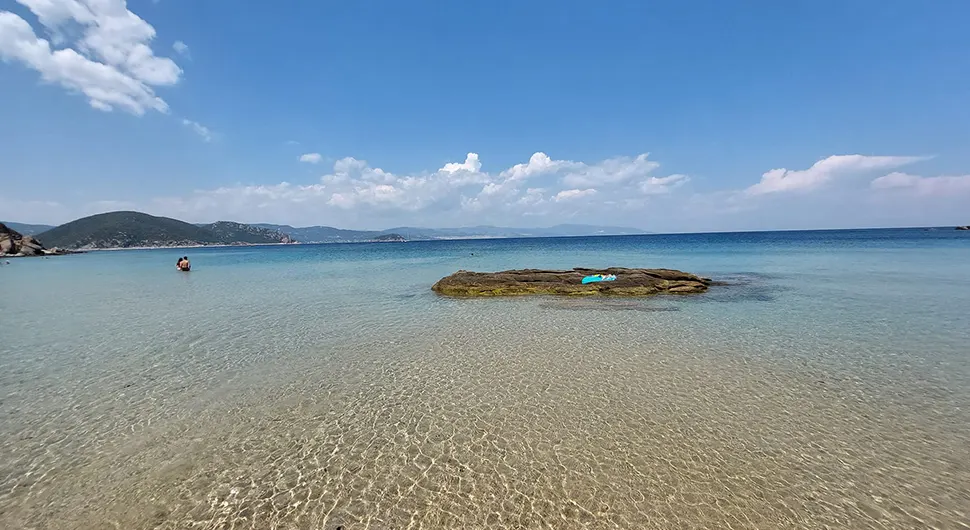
629,282
12,243
15,245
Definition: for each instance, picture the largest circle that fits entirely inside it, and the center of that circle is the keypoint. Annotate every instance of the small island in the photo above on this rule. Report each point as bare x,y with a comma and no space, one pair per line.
628,282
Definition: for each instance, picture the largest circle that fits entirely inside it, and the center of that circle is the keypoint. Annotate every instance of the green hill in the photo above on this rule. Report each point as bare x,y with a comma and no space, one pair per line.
243,233
135,229
322,234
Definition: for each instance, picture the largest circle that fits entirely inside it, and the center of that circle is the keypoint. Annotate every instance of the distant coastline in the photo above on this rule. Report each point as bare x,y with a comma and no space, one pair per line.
943,229
139,231
162,247
136,230
346,242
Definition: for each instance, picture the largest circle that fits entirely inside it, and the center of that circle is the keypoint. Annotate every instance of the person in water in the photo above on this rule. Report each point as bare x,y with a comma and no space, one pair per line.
183,264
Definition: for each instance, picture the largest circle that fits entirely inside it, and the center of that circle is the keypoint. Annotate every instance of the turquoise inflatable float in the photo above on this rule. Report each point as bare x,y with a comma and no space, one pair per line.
599,278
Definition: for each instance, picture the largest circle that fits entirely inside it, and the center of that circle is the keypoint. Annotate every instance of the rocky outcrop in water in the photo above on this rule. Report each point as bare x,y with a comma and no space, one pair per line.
963,227
13,243
629,282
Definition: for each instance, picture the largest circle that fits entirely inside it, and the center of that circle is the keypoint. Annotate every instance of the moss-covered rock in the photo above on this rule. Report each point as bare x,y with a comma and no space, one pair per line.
629,282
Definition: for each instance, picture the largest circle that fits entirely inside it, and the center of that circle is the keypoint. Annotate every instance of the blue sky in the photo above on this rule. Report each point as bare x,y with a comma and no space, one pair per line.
668,116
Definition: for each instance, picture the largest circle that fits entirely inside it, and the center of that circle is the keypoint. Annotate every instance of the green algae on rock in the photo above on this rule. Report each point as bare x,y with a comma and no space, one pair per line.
629,282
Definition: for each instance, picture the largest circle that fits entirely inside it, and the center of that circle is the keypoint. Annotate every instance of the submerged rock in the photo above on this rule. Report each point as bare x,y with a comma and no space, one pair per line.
629,282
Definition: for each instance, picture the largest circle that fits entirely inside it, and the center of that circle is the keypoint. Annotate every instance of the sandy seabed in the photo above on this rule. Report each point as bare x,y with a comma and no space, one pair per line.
505,423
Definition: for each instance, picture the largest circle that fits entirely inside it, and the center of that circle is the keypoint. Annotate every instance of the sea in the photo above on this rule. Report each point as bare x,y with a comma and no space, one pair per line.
822,382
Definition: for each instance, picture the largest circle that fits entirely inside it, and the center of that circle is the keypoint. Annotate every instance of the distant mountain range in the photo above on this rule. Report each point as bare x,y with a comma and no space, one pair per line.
135,229
28,229
329,234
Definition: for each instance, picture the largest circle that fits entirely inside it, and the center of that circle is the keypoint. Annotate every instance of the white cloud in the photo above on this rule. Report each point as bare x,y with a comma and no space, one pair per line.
311,158
568,195
471,164
616,181
578,174
944,185
199,129
895,180
823,171
356,192
661,185
538,164
181,48
611,171
108,58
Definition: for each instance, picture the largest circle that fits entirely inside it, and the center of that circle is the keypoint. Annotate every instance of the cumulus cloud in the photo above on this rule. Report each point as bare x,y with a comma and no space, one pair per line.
354,189
199,129
610,171
471,165
823,171
538,164
941,186
107,57
311,158
355,194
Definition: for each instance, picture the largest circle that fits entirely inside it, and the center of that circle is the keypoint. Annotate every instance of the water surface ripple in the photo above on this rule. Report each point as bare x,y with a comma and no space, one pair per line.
326,387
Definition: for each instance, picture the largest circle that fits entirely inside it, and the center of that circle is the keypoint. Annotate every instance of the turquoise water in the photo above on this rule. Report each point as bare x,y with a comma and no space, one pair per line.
316,386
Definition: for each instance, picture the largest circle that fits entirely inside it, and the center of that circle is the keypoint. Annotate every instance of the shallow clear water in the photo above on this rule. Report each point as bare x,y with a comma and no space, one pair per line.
828,385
